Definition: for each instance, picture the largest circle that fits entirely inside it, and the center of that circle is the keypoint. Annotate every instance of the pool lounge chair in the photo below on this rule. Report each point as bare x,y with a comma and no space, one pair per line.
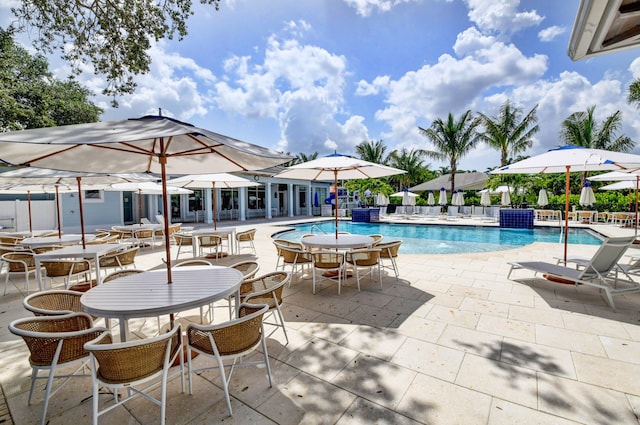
600,271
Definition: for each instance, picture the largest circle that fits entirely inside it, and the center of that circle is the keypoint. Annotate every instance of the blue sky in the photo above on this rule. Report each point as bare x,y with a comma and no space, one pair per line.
324,75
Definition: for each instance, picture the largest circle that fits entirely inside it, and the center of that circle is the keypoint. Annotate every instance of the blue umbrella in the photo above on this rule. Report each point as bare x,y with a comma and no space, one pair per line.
316,202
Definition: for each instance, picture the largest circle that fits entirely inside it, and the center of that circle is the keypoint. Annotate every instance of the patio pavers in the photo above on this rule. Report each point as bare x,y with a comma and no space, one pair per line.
451,341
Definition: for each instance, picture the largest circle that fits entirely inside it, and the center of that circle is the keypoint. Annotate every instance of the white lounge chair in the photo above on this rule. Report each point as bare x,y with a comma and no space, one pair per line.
600,271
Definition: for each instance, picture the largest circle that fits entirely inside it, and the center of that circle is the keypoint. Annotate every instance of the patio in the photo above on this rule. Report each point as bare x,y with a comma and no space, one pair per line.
451,342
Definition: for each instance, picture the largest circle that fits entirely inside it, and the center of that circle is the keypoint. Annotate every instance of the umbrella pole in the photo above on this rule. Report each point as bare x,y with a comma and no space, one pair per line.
636,226
58,212
566,211
140,206
29,205
335,182
78,179
167,244
215,204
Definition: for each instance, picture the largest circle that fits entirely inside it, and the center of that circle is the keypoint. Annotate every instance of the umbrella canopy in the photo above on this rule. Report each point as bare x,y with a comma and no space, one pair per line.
153,144
442,199
431,200
337,166
630,180
505,199
405,192
587,198
30,176
460,198
485,199
543,199
218,180
571,158
147,188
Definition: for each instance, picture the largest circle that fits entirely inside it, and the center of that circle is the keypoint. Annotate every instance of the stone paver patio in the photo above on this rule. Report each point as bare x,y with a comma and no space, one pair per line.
452,341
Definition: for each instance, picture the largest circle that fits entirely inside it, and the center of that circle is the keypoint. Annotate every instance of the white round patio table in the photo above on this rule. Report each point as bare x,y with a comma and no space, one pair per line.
148,294
342,242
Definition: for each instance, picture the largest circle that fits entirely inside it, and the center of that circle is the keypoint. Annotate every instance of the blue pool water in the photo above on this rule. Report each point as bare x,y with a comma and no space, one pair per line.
448,239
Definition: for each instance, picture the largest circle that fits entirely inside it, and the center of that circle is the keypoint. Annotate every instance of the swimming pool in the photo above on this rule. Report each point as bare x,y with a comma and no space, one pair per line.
448,239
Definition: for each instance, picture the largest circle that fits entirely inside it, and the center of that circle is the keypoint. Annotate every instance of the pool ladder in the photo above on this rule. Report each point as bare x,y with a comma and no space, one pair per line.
315,226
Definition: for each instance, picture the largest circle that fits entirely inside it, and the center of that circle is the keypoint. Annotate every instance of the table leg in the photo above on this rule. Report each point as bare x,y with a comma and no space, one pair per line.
39,274
97,261
124,329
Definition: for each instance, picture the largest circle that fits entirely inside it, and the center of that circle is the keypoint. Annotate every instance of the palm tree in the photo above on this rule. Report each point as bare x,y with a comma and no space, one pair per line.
633,96
452,139
372,151
303,157
582,129
508,133
410,161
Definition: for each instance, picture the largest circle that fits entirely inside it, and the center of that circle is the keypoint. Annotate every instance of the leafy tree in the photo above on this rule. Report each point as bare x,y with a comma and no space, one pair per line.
372,151
410,161
114,37
30,97
507,132
303,157
452,139
582,129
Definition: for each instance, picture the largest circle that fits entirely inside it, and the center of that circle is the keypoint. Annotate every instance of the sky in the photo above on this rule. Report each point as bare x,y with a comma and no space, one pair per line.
304,76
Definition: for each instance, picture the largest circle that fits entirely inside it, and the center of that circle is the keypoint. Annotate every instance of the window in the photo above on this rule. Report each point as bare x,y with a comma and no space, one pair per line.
256,197
93,195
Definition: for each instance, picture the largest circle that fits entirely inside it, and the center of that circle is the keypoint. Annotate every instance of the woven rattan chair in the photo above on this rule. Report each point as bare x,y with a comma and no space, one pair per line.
19,263
377,238
248,269
293,254
10,240
119,260
368,259
211,242
67,269
267,289
134,366
103,238
144,237
246,237
55,302
208,317
326,261
389,251
229,341
55,341
181,240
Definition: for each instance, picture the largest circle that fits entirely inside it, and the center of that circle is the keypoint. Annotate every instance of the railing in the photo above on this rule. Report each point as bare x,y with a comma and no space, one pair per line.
315,226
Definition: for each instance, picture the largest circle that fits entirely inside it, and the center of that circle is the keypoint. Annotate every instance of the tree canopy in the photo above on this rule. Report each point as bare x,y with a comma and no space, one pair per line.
30,97
113,37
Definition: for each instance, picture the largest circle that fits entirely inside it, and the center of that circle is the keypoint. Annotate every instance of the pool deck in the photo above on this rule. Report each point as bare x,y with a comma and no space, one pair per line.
451,341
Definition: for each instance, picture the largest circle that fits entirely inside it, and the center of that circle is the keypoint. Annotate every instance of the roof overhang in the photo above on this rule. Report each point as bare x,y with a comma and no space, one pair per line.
604,26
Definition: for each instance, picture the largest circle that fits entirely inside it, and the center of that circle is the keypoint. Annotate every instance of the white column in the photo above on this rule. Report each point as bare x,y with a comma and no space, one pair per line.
242,204
290,193
267,204
309,199
208,207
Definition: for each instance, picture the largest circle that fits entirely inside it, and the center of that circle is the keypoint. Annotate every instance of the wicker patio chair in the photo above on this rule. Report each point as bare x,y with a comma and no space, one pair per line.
55,302
328,261
133,366
144,237
389,251
211,242
55,341
19,263
119,260
293,254
67,269
248,269
377,238
267,289
246,237
369,259
181,240
229,341
199,263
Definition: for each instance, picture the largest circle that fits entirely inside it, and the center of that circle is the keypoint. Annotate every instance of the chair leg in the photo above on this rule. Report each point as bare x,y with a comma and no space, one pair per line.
266,359
281,318
225,383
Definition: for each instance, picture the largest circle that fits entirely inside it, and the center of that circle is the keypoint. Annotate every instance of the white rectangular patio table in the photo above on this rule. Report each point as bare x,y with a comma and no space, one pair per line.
228,232
149,295
70,239
76,251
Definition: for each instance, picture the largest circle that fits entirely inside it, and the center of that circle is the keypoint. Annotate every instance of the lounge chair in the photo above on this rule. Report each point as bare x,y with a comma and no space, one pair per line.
600,271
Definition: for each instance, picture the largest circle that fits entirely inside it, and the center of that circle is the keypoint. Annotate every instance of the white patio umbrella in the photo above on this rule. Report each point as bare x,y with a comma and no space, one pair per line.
485,198
406,196
381,200
587,198
431,200
442,199
505,199
460,198
630,180
217,180
152,144
543,199
571,158
32,175
337,166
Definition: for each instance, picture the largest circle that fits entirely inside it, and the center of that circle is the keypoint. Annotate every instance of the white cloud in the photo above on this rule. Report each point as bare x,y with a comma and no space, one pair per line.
366,7
379,84
550,33
501,15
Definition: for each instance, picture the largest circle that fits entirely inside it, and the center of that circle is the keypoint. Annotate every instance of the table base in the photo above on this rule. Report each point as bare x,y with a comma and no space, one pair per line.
219,255
330,274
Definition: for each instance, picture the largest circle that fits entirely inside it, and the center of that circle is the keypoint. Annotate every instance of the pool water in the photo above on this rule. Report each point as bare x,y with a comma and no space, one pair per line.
448,239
